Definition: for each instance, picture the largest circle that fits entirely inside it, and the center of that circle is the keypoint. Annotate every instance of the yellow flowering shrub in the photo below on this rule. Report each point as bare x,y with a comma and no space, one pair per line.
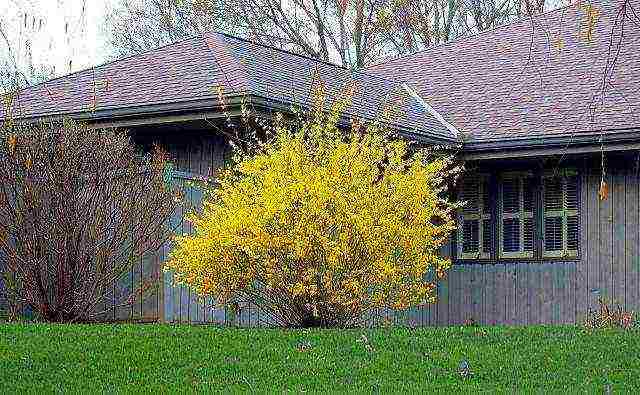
322,225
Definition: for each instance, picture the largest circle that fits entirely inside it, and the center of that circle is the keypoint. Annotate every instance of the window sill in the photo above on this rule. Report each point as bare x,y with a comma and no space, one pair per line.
504,261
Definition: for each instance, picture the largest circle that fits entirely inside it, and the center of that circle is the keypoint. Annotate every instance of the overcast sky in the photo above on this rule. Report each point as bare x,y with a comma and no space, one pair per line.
83,43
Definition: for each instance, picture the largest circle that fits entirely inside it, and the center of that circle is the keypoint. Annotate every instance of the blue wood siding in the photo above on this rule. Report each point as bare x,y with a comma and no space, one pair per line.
540,291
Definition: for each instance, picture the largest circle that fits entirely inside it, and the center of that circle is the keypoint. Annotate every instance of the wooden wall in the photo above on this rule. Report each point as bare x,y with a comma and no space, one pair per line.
558,292
194,154
503,292
522,292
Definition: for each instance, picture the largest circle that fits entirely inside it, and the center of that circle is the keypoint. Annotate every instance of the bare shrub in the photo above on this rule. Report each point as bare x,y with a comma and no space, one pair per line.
78,207
608,316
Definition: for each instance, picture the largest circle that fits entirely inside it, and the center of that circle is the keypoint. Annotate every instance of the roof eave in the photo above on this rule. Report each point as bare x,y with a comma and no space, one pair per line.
627,139
209,108
142,115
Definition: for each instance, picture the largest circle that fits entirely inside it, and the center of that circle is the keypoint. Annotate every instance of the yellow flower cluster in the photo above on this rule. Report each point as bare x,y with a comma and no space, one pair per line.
348,220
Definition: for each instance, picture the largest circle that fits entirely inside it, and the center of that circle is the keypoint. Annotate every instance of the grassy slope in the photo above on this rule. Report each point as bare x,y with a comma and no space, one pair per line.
162,357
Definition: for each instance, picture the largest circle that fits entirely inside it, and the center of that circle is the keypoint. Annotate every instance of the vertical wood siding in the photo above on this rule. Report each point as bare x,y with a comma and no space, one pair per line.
561,292
505,292
193,154
196,156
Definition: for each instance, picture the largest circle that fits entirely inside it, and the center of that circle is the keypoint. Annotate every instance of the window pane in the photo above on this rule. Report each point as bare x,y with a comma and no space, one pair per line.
511,195
553,234
572,193
511,235
469,194
486,235
470,236
561,229
474,234
528,194
553,193
486,198
528,234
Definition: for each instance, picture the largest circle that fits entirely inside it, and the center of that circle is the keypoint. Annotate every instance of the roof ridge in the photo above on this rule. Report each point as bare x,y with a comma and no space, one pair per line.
465,38
222,45
352,72
454,131
246,40
215,44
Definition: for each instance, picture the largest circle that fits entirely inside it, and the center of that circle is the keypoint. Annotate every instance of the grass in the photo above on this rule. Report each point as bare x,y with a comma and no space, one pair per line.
44,358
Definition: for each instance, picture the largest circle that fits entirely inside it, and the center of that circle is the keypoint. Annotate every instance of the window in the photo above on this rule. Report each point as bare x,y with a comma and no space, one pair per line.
535,216
474,219
517,222
560,214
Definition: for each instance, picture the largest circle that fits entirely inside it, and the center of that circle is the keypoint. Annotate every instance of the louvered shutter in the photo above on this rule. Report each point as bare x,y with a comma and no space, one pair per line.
560,212
517,226
474,219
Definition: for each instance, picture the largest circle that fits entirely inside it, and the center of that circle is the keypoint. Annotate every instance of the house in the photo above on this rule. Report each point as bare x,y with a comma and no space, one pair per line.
552,153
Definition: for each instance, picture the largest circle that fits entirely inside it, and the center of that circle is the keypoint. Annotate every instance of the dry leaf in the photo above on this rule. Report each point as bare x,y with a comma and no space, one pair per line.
559,44
13,141
604,190
588,28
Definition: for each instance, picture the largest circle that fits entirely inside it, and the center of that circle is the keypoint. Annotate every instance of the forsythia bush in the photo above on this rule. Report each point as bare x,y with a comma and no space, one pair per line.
322,225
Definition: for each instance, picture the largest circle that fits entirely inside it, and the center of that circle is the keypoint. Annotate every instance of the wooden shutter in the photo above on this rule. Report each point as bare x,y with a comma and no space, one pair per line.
474,219
517,223
560,214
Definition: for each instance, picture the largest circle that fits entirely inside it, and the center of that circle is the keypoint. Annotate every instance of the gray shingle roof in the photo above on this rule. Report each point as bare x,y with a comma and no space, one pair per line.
533,78
179,72
193,69
284,77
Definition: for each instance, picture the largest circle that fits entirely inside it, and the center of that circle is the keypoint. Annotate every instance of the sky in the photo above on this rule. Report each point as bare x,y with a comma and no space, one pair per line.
66,34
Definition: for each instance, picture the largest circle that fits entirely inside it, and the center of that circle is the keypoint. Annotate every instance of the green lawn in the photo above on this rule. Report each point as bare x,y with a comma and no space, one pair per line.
134,358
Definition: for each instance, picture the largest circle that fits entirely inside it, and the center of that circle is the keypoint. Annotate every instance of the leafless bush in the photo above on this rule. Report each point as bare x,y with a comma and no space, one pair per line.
78,207
608,317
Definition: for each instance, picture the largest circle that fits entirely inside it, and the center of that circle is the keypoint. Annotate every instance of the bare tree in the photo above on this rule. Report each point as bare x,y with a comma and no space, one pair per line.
138,25
78,208
17,65
354,33
21,29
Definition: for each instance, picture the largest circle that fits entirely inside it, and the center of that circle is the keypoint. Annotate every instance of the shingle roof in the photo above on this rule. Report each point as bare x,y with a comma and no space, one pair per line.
534,78
284,77
179,72
193,69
